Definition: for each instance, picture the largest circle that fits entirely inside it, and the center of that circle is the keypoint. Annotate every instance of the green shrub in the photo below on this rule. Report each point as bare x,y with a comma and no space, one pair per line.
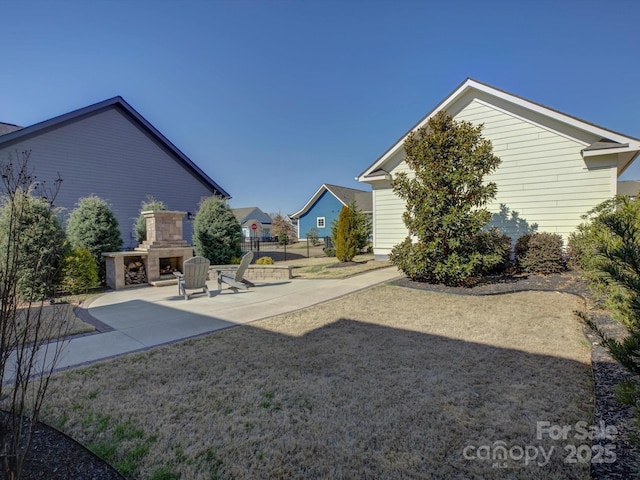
264,261
79,272
330,252
521,247
346,237
590,244
542,252
36,243
360,229
235,260
495,249
217,234
140,227
607,248
92,225
425,262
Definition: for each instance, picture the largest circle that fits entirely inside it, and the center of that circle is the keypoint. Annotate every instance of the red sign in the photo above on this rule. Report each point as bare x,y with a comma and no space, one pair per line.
254,226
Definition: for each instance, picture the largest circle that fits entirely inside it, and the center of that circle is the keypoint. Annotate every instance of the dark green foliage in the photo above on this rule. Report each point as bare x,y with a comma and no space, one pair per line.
330,252
40,241
585,247
140,226
346,237
92,225
607,249
521,246
216,232
495,248
362,228
79,272
445,198
541,252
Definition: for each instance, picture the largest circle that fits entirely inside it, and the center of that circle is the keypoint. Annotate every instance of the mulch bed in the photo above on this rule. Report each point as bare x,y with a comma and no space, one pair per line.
607,373
55,456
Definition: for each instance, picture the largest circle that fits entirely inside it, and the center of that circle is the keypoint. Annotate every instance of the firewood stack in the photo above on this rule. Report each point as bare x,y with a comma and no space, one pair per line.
135,273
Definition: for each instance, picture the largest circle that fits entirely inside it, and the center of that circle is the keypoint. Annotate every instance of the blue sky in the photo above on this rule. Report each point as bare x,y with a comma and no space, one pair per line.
274,98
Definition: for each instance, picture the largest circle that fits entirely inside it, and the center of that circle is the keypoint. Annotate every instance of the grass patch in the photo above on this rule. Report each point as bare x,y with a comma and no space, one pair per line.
324,267
388,382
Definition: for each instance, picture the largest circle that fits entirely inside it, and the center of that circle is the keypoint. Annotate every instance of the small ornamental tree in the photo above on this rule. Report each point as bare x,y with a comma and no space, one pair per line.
283,230
346,235
92,225
148,205
361,227
217,234
313,236
445,197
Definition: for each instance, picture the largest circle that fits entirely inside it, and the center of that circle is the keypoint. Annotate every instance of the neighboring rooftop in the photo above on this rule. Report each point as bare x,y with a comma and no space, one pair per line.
346,195
629,187
251,213
8,128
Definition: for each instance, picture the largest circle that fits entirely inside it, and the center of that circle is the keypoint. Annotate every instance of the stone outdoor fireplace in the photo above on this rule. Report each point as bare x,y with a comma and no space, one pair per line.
155,259
165,246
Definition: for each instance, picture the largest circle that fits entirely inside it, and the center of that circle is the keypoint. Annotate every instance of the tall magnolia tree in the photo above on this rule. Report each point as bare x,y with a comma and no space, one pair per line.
445,196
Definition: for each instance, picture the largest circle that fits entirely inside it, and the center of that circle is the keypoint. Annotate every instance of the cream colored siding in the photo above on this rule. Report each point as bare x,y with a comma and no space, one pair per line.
542,177
389,229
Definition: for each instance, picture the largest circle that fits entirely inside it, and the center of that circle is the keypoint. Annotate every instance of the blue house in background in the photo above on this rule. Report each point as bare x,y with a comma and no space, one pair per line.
324,207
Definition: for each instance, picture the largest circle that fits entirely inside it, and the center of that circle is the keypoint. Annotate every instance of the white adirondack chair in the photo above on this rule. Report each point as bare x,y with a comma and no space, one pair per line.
235,277
195,272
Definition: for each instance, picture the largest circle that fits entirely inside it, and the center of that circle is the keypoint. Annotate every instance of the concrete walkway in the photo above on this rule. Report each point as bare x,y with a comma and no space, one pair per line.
136,319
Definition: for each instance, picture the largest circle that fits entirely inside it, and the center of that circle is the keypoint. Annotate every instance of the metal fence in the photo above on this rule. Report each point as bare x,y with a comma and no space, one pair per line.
280,251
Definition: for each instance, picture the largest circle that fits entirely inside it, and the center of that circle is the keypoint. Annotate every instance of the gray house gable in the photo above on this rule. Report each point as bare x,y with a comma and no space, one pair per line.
251,213
110,150
23,134
344,195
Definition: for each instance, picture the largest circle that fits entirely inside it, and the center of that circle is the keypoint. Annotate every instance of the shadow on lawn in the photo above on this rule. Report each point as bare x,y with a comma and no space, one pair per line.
352,399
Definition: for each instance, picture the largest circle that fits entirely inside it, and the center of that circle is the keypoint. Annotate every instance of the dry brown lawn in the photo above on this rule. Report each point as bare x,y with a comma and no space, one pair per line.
388,383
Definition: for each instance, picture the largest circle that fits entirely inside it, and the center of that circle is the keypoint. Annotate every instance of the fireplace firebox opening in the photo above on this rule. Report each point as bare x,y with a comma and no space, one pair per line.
168,265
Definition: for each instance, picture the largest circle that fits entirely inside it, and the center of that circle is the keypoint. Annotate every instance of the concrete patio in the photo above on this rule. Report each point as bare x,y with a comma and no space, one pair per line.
135,319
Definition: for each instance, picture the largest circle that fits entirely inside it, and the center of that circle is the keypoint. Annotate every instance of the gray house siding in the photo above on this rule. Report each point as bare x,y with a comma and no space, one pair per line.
108,154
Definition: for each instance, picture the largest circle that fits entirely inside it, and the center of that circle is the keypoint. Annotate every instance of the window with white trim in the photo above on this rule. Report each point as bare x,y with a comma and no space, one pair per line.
320,222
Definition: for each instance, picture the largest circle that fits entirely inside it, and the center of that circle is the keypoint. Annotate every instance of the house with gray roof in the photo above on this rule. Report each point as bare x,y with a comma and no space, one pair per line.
554,167
324,207
249,216
108,149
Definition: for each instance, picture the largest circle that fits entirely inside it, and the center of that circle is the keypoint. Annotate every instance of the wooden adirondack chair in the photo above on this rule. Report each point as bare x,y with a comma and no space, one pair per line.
235,277
195,272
